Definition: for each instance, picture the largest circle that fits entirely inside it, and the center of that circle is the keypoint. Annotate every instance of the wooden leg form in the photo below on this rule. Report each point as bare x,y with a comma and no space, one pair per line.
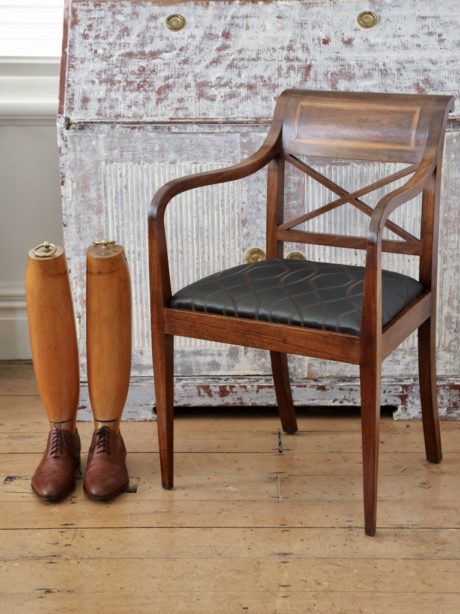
53,338
428,393
370,421
108,332
163,364
286,409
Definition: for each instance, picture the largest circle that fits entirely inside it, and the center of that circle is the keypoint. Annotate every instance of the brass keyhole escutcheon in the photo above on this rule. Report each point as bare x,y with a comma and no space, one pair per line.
175,22
367,19
255,254
296,256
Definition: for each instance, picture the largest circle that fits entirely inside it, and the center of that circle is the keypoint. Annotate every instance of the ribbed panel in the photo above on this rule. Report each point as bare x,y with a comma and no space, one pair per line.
203,232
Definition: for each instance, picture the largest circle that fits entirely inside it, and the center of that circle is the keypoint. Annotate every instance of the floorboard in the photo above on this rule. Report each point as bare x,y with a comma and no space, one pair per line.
258,522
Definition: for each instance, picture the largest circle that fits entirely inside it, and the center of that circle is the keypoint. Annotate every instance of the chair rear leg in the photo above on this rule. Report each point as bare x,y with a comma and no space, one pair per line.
428,393
370,422
163,364
283,392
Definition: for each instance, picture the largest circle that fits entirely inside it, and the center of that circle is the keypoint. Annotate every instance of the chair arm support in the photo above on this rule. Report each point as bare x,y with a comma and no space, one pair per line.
258,160
412,188
371,323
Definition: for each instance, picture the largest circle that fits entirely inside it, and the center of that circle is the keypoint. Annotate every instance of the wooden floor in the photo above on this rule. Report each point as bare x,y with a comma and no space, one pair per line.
258,522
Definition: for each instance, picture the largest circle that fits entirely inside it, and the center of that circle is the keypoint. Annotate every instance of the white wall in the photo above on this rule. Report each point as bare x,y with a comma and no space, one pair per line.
29,180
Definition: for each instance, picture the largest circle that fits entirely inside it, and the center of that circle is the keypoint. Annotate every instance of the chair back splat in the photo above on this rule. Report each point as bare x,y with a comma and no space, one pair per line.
352,314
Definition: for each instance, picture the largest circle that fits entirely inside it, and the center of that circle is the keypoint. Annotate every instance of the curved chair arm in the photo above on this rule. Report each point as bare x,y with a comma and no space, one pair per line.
371,323
258,160
412,188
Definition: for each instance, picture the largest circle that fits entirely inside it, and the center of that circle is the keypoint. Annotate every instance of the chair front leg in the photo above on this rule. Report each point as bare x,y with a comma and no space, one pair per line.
163,364
370,374
286,409
428,393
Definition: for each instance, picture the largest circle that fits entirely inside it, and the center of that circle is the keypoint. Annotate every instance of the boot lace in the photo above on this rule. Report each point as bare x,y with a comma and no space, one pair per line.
103,440
57,443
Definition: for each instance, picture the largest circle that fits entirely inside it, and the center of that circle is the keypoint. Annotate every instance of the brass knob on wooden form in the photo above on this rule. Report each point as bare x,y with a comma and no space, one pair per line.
45,250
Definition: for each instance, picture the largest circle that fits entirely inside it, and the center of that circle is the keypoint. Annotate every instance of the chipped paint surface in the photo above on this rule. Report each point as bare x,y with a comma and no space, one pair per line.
234,57
144,105
258,392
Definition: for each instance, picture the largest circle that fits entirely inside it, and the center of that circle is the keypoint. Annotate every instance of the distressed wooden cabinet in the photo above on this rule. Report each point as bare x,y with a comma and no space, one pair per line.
141,104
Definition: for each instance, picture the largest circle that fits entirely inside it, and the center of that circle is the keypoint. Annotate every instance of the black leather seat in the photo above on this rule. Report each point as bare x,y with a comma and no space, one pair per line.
302,293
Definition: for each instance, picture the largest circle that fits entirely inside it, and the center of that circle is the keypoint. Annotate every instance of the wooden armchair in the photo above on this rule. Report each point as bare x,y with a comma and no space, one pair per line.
351,314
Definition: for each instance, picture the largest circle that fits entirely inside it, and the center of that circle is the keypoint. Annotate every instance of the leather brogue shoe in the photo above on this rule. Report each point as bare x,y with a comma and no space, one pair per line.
106,475
54,477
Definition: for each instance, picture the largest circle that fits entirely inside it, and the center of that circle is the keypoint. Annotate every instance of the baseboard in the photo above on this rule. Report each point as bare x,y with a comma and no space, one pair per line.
258,391
14,334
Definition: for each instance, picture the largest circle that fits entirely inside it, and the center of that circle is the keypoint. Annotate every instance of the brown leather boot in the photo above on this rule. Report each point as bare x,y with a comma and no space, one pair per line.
106,475
54,477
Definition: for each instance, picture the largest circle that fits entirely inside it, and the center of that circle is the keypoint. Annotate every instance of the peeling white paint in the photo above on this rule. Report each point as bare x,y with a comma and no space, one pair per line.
234,57
258,392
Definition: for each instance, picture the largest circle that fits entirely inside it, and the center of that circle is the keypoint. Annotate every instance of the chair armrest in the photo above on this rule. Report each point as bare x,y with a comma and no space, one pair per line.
412,188
258,160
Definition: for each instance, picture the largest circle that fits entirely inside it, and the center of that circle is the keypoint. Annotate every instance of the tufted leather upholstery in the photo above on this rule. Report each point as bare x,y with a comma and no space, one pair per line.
302,293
